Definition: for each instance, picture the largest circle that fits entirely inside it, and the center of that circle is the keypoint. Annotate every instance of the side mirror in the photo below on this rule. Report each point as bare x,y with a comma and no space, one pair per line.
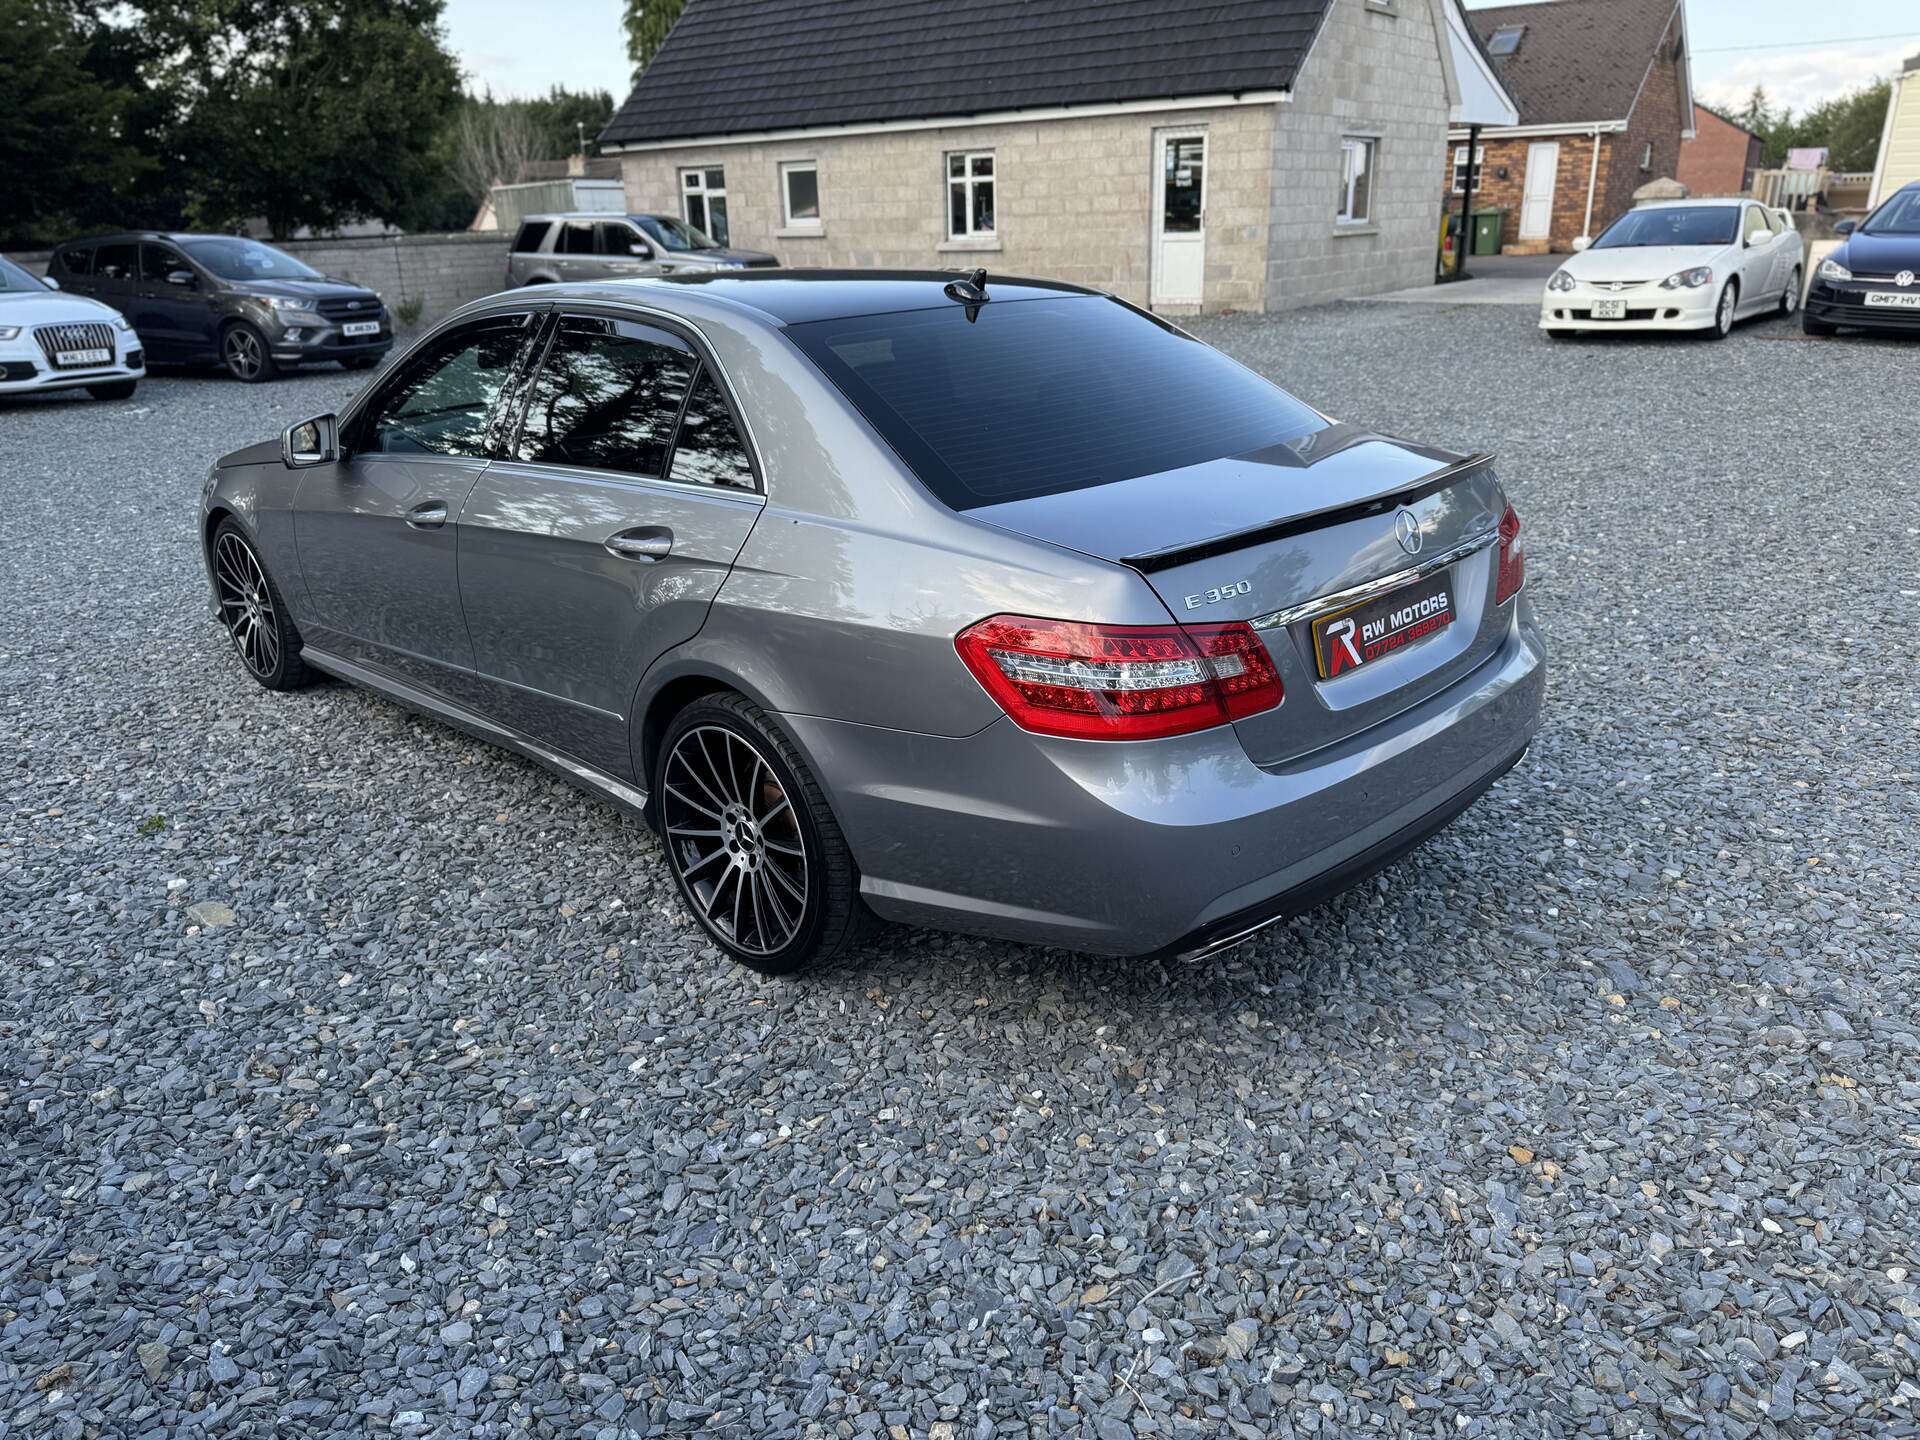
183,278
1581,242
311,442
1846,227
642,249
52,284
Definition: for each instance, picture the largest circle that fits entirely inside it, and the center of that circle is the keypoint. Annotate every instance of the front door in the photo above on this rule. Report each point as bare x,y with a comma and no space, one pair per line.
602,542
1180,217
175,321
624,251
375,531
1543,172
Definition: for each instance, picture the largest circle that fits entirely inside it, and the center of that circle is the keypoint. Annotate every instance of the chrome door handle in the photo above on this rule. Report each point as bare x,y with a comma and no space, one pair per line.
430,516
649,542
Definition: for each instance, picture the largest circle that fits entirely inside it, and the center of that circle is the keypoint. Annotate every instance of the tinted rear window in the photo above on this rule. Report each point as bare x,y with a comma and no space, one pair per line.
1036,397
75,261
531,234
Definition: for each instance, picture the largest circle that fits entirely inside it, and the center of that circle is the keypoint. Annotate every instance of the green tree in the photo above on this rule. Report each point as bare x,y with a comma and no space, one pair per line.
64,127
648,24
1849,127
561,116
306,112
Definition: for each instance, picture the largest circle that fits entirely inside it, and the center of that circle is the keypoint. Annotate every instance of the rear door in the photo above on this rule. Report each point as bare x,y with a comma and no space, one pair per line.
602,541
575,251
375,530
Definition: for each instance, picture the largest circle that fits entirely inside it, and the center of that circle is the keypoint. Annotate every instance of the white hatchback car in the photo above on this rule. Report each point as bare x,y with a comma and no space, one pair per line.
51,341
1679,265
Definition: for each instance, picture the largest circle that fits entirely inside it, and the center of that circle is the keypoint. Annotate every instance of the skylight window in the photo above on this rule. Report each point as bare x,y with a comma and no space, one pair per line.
1506,40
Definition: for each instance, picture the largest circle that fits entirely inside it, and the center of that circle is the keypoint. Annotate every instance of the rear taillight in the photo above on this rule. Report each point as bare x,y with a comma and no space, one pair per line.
1119,682
1513,560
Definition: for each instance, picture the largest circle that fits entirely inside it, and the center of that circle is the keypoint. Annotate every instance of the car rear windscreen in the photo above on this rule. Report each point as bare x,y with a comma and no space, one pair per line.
1034,397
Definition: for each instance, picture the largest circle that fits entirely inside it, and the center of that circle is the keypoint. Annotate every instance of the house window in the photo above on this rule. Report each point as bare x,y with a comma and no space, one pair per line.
969,194
703,200
1356,180
1460,167
1646,157
1506,39
800,194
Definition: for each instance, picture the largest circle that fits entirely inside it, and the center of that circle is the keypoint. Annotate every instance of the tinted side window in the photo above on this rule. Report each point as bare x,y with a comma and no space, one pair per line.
617,238
157,262
532,232
607,397
439,402
576,240
75,261
709,451
115,262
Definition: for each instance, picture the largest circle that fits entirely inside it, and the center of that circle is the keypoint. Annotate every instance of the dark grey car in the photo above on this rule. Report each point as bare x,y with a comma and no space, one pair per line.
228,300
995,605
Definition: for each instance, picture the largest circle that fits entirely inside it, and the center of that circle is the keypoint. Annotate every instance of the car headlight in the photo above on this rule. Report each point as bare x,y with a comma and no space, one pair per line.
9,332
1561,281
1831,269
120,322
293,309
1689,279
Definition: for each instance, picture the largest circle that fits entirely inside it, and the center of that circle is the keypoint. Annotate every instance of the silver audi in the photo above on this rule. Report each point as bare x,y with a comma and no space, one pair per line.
989,604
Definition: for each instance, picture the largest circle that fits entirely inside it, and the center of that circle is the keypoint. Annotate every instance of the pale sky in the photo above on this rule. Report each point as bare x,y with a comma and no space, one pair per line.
1817,52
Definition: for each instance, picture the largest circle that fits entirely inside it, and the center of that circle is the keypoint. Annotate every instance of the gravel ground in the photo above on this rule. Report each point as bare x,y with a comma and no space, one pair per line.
361,1079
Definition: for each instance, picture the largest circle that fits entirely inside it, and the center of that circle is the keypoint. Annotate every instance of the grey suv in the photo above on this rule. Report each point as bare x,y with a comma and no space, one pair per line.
989,604
551,248
225,298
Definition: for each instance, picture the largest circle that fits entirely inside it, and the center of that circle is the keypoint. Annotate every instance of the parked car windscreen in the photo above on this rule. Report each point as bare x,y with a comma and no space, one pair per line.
14,280
1672,225
1899,216
675,234
232,258
1036,397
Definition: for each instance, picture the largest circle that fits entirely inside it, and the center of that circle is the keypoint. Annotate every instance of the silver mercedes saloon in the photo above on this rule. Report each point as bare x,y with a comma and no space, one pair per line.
989,604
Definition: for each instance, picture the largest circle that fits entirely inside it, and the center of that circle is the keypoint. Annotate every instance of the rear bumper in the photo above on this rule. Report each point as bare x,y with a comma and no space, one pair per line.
1168,846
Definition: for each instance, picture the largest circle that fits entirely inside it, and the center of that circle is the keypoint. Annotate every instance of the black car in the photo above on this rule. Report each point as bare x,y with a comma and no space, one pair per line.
226,299
1872,282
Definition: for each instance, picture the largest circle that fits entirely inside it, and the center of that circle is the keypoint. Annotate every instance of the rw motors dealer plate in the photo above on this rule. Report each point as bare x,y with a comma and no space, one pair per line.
1353,638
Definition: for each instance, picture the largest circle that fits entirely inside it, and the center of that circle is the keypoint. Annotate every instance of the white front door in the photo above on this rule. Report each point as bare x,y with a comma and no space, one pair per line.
1543,169
1179,217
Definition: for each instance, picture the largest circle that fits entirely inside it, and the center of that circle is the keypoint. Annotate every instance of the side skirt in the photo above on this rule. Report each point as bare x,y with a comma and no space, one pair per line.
595,782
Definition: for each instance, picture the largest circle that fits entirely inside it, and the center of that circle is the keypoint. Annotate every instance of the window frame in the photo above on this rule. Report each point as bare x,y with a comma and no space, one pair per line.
969,183
1369,145
696,344
706,193
1460,166
1646,156
789,222
1519,34
365,410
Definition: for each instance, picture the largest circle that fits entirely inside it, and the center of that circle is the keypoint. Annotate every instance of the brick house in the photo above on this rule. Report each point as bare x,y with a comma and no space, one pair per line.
1721,156
1247,155
1605,93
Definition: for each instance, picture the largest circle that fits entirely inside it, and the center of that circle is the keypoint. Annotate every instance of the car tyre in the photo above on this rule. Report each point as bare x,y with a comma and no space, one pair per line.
1816,327
1790,297
753,845
254,613
1724,311
243,350
114,390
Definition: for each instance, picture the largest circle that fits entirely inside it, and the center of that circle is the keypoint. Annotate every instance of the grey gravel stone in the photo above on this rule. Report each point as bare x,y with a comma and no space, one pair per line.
457,1130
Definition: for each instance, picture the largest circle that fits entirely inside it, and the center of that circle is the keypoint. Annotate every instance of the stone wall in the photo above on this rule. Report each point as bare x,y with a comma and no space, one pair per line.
1374,73
1073,198
442,272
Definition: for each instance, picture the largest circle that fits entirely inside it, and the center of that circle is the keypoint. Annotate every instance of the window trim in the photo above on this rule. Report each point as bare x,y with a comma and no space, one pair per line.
706,195
789,223
969,180
1343,217
696,344
351,426
1646,156
1458,177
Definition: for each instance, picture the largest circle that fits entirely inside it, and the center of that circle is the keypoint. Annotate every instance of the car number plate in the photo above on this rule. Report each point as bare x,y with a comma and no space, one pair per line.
1892,301
1609,309
69,358
361,327
1371,631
